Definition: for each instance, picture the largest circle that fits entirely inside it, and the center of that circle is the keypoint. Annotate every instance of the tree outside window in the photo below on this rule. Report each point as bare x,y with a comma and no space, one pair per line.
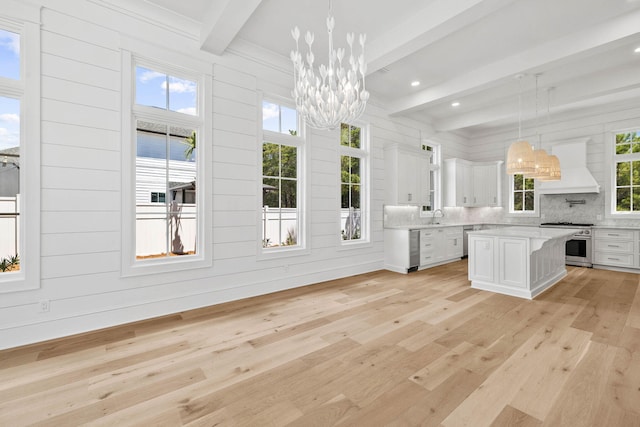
279,195
523,195
627,172
351,182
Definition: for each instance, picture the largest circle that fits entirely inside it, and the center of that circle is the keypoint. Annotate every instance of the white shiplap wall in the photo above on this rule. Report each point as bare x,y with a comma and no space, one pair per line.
81,184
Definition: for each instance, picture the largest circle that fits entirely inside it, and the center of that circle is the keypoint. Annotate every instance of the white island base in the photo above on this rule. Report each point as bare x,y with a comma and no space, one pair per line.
518,261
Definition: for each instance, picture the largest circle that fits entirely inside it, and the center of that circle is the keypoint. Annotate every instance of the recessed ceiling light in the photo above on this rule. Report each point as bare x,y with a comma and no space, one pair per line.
637,50
455,104
415,83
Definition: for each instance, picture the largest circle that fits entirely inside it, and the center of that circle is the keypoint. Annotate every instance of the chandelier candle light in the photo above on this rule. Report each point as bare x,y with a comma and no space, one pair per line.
333,94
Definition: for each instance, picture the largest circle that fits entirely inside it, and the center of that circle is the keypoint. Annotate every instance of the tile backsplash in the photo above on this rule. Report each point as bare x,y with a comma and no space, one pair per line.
553,208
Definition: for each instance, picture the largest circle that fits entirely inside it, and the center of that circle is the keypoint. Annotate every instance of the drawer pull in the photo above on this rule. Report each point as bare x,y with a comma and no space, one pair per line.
613,259
612,234
613,246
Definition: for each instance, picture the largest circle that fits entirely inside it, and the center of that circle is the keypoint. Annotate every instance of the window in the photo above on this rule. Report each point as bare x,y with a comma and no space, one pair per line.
523,194
627,172
157,197
352,183
19,161
282,146
165,215
435,183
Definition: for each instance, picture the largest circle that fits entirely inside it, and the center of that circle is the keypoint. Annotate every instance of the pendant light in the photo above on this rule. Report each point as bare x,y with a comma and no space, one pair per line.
542,162
520,157
555,173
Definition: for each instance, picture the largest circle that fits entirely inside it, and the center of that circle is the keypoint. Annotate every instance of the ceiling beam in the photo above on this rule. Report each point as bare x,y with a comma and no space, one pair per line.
555,51
222,21
617,84
436,21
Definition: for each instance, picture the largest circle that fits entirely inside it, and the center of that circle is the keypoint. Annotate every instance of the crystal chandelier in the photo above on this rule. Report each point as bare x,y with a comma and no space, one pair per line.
334,93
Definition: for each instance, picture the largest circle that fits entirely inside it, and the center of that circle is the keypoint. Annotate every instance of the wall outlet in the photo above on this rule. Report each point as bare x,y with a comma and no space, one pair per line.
599,217
44,306
541,216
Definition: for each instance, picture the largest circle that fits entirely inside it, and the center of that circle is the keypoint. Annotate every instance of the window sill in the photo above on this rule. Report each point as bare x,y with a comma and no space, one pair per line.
161,265
279,253
354,244
523,214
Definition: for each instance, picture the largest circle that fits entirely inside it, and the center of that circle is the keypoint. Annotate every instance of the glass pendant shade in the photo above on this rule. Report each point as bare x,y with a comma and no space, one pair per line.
520,159
554,170
333,93
542,164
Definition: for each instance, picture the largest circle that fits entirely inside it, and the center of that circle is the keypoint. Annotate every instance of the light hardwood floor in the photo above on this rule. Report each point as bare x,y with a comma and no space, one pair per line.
375,349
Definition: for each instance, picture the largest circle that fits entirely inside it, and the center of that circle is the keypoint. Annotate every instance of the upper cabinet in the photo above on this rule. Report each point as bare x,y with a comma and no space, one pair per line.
472,184
406,175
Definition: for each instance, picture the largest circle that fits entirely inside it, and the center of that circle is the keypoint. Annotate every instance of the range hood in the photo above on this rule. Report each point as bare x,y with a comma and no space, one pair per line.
576,177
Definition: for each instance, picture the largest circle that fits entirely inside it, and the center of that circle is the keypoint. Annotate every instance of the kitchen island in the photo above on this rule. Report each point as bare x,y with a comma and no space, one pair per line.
517,261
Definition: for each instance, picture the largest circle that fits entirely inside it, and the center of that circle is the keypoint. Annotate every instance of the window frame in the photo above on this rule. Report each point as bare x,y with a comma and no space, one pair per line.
364,154
536,199
26,23
435,167
611,200
201,123
300,142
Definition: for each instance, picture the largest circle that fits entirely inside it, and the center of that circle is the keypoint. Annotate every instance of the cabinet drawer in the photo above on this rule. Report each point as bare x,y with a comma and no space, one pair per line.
614,234
426,246
427,234
614,245
427,258
606,258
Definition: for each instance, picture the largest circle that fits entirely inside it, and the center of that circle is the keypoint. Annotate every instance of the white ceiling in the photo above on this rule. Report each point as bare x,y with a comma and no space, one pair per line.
460,50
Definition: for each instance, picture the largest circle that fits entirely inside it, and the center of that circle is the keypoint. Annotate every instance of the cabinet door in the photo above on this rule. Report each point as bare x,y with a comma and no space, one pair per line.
481,257
479,185
492,182
453,246
466,172
408,191
513,259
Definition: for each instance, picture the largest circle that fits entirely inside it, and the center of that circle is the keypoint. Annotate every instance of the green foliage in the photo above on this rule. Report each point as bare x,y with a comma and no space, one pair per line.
349,136
627,172
191,145
523,194
10,263
292,238
280,173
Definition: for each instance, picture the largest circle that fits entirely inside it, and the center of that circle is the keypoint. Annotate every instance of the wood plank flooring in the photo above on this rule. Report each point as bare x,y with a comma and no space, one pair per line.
370,350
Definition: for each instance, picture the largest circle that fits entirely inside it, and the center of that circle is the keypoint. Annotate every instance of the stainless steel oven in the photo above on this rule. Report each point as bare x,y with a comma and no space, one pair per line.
578,248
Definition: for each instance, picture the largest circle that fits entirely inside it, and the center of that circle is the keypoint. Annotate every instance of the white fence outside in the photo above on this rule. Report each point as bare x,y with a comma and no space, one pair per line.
154,233
276,235
9,226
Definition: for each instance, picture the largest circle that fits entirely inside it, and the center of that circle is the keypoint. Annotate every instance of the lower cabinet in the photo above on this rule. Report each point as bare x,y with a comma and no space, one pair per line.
615,248
438,245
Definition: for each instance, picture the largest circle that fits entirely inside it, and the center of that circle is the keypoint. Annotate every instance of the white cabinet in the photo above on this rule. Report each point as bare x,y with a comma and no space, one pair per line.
406,175
486,184
472,184
454,243
616,248
440,244
458,183
481,259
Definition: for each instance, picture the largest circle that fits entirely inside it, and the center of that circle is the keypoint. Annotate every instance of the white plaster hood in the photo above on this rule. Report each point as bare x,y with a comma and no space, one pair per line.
576,177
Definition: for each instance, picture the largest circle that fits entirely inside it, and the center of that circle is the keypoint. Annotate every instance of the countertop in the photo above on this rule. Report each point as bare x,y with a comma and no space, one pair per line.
424,226
536,235
527,232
